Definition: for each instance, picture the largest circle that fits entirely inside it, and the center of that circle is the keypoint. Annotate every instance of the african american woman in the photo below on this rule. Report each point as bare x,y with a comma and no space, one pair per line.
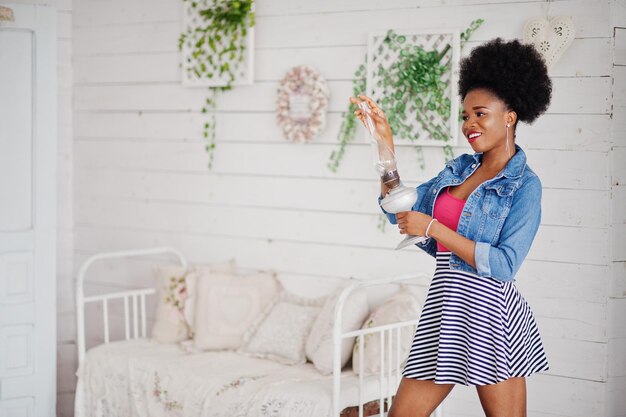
481,214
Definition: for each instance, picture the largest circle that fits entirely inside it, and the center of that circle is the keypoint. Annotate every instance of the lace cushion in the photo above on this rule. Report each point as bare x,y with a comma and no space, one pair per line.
402,306
222,267
176,292
319,344
280,334
227,305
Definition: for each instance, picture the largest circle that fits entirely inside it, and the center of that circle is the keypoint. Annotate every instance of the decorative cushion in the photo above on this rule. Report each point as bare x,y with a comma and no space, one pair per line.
402,306
176,295
227,305
319,344
280,334
198,271
170,325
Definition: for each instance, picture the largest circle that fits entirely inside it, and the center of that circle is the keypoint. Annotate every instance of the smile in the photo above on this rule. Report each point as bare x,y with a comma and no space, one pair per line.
473,136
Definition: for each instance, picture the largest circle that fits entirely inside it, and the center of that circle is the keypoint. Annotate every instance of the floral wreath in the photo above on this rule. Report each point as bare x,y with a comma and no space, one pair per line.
301,104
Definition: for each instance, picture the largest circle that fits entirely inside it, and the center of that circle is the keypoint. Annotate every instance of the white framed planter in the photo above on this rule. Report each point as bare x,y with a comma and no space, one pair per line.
380,56
244,70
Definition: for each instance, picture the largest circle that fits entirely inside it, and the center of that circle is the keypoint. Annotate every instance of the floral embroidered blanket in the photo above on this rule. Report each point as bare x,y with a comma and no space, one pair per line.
146,378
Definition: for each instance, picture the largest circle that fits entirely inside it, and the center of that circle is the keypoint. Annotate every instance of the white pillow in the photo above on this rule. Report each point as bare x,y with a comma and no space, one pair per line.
319,344
227,305
197,271
175,287
280,334
402,306
170,325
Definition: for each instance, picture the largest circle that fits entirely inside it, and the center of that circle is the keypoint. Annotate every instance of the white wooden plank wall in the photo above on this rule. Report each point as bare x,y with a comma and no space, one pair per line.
65,203
141,177
617,293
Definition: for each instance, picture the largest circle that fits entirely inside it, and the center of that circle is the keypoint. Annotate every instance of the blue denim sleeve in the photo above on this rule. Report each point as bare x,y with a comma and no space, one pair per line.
503,260
422,189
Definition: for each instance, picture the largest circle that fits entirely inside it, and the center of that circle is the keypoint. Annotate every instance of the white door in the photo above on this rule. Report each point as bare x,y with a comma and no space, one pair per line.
28,212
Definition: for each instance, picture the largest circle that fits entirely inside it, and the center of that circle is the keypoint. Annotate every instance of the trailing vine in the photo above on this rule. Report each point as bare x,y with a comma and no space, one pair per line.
347,129
413,82
216,46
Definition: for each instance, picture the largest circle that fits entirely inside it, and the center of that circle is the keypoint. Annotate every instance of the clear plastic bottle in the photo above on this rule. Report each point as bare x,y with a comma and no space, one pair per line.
384,158
399,198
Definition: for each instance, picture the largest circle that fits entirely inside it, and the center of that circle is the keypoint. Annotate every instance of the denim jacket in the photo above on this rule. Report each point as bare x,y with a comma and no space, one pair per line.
501,215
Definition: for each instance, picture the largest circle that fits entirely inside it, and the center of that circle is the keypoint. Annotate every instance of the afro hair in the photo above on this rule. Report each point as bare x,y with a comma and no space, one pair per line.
514,72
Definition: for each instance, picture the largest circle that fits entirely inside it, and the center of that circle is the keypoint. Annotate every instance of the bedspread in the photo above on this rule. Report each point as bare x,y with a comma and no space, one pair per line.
144,378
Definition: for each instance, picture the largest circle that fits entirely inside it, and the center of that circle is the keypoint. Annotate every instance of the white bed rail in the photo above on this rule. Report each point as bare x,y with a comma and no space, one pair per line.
134,298
390,371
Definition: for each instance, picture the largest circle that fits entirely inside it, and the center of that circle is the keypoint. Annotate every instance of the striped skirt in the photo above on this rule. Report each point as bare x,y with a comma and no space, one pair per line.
473,331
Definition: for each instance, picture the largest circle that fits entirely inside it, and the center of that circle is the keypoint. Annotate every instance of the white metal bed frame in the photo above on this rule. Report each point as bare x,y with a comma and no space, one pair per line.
389,376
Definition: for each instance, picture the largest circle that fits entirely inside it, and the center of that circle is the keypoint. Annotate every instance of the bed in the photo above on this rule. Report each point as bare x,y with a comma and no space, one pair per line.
140,377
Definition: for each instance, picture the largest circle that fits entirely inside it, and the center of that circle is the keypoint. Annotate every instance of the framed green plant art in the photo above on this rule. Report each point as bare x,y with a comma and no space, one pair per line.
216,47
412,75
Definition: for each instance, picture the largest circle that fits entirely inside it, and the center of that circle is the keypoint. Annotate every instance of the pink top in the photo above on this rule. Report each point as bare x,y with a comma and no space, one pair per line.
447,210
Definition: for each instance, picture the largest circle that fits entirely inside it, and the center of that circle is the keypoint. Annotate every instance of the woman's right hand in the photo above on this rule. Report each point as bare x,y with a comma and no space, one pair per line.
378,117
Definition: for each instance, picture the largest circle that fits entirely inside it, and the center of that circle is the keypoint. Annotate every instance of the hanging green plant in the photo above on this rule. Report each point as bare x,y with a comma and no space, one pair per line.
214,49
347,129
411,85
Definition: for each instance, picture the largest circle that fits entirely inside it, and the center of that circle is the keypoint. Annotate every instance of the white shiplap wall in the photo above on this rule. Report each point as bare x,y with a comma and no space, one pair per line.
141,177
617,292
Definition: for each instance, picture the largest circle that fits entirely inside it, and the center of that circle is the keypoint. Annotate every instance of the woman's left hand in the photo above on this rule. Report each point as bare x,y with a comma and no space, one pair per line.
413,222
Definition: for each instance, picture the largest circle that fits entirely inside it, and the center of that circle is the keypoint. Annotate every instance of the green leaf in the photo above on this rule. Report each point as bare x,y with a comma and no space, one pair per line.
215,41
